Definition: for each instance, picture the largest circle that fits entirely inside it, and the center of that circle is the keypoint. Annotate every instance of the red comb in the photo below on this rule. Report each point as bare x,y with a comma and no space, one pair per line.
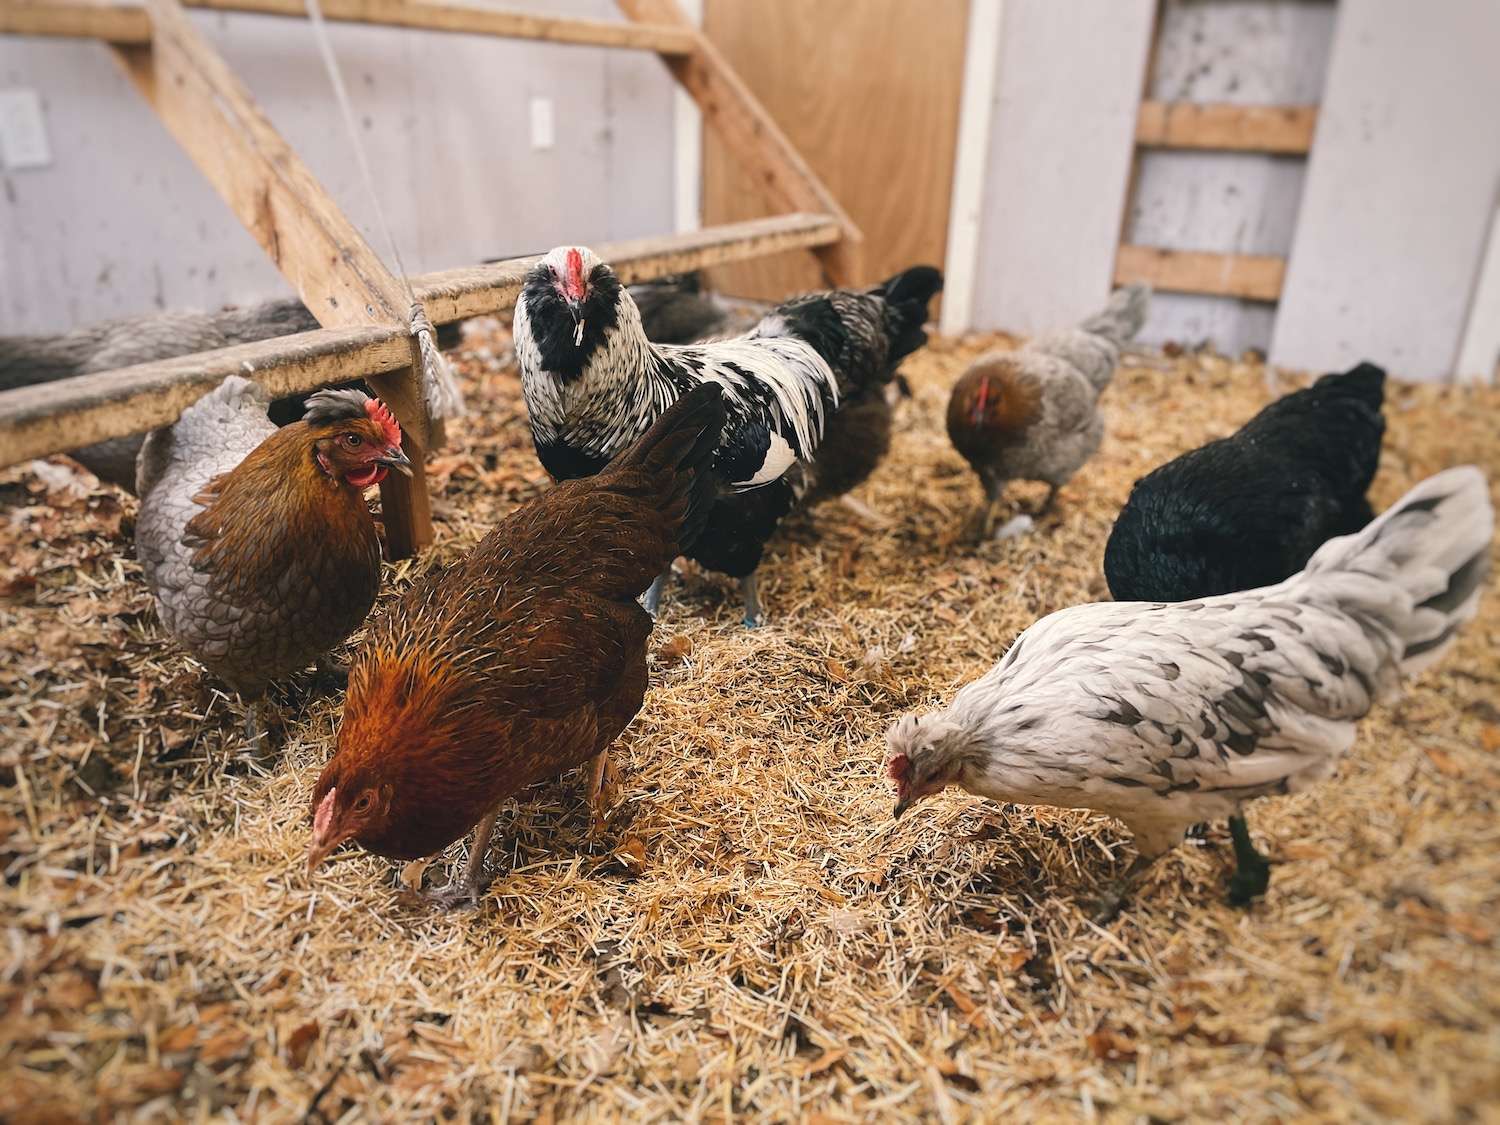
573,283
381,415
896,768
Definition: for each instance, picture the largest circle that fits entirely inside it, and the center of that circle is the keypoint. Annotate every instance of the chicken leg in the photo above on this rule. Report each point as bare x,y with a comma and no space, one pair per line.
754,616
467,888
651,599
604,778
1252,874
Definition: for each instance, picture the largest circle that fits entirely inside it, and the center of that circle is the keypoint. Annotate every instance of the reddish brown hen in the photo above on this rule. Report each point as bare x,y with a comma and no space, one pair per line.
526,659
256,540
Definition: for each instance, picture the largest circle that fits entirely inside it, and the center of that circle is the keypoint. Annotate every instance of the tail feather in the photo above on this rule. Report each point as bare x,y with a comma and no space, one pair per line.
908,294
1364,382
1122,318
1429,554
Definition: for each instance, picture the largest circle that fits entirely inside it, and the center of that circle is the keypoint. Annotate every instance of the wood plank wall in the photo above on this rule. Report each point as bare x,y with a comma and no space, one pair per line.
881,133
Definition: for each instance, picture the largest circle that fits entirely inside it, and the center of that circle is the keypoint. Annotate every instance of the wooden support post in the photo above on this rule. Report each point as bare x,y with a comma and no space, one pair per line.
762,149
334,271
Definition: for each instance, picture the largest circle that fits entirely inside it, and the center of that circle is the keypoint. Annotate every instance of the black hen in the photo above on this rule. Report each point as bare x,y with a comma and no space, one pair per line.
1249,510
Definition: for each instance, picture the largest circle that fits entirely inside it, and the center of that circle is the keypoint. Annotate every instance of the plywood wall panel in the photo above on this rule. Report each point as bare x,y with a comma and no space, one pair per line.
868,91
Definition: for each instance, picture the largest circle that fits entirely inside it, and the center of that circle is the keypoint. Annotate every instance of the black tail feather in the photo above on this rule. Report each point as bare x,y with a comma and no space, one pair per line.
908,294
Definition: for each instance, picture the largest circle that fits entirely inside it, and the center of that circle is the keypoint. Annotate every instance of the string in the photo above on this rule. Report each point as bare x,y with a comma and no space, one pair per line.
444,400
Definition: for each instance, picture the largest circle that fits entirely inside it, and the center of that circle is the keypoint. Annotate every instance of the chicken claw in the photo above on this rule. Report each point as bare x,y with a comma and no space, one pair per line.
466,890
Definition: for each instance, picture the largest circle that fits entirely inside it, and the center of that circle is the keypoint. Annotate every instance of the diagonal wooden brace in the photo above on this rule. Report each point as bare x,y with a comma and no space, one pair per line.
316,248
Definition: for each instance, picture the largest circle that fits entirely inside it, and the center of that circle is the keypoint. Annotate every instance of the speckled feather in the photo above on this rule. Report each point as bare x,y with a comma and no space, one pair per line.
1164,715
593,386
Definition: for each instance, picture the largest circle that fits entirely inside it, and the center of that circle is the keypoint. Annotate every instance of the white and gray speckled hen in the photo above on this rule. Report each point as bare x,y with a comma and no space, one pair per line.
1167,714
594,383
1033,413
255,540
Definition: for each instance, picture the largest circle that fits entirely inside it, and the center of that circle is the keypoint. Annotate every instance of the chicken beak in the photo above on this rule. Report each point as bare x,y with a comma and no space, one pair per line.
320,850
395,459
901,806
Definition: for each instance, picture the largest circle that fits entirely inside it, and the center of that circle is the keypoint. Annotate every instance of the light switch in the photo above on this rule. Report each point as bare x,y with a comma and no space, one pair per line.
23,133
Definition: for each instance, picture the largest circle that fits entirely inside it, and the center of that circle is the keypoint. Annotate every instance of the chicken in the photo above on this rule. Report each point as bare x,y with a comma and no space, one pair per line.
1033,413
255,540
1167,714
526,659
28,360
593,382
1249,510
675,310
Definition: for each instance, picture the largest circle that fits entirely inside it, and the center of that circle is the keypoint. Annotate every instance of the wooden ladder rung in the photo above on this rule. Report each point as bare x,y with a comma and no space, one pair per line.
1253,277
1281,129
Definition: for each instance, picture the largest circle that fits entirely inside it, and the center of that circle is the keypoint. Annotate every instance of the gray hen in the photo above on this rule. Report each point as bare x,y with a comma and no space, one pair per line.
1167,714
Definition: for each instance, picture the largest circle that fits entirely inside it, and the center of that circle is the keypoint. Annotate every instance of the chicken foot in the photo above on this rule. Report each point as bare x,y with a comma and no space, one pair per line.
467,888
1252,874
604,780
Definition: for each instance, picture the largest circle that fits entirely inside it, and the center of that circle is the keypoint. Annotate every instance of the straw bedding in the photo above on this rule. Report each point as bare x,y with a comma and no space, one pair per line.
751,937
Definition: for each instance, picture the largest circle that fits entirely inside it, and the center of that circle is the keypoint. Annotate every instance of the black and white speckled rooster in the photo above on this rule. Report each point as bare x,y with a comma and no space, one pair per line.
593,384
1168,714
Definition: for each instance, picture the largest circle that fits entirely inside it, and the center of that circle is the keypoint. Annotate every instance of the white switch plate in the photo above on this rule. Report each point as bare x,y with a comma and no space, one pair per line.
543,130
23,133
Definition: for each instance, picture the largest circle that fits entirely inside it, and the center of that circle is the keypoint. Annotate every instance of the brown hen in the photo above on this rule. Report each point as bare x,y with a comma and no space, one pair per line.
524,660
255,540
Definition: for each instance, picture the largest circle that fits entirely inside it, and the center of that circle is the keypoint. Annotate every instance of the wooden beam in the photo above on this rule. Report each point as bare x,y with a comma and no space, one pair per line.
55,417
84,19
339,278
1254,277
762,149
1236,128
120,22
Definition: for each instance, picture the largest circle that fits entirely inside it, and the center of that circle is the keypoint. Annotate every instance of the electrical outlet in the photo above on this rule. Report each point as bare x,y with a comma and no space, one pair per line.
23,133
543,128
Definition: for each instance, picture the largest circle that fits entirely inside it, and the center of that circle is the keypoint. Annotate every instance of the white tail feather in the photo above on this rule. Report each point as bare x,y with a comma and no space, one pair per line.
1418,569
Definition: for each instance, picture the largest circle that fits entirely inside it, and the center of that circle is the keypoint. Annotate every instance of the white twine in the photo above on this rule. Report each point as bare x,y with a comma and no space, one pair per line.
444,399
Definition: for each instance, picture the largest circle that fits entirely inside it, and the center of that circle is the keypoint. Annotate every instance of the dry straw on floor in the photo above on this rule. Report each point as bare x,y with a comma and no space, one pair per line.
752,937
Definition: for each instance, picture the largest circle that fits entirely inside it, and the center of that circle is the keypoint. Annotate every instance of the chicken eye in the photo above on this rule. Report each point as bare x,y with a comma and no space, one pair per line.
362,804
353,440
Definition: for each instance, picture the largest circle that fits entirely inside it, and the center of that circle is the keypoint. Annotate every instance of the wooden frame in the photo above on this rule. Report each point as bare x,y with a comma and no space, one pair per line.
363,308
1282,130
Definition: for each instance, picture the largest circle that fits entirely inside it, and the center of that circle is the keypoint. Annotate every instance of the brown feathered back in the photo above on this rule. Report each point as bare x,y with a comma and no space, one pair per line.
529,656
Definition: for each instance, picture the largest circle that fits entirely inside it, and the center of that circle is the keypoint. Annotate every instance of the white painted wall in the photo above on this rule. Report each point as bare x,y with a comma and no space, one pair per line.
1400,190
1060,144
123,223
1253,52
